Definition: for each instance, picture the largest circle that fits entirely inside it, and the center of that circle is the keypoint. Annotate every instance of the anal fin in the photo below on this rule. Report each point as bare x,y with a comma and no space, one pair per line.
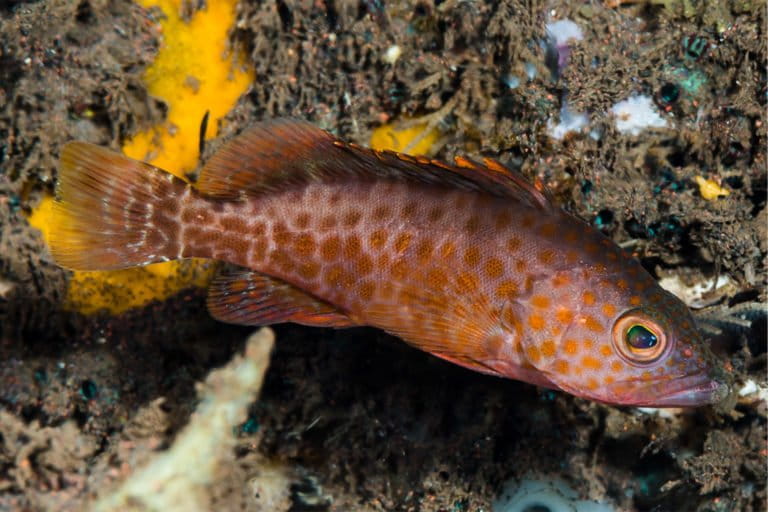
247,297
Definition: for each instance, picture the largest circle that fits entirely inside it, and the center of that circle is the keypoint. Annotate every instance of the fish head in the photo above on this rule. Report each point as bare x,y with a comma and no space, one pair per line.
635,349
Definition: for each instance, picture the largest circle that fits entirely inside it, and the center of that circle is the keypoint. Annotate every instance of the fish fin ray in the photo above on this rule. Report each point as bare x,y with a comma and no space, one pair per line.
273,155
104,210
246,297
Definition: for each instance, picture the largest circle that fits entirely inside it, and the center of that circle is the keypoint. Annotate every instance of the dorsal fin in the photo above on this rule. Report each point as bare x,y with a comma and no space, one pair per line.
273,155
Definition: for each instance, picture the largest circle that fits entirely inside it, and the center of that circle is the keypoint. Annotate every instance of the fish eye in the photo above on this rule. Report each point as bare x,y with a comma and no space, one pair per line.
638,339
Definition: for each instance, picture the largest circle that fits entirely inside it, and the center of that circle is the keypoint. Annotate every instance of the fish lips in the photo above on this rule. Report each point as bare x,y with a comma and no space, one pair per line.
688,391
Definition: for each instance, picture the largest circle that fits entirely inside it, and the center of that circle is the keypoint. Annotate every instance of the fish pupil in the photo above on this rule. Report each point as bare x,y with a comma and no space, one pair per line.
641,338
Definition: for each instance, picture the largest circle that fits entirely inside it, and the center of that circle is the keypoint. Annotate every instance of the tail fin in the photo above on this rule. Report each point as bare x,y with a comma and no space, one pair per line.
113,212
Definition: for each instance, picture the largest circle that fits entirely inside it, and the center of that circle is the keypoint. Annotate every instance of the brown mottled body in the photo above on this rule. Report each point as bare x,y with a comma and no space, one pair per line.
467,262
360,245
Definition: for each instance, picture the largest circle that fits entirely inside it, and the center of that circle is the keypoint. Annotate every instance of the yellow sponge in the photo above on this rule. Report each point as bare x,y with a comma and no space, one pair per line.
194,72
417,139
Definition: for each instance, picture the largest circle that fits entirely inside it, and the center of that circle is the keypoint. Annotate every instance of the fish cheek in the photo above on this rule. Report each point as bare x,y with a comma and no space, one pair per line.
559,356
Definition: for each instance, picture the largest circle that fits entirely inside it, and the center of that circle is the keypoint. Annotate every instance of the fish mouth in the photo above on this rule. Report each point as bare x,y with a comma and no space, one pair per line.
689,391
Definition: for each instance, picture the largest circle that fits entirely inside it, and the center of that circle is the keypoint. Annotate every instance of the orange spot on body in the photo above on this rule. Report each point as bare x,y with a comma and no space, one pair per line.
536,322
506,290
281,235
588,298
635,300
609,310
617,366
437,278
259,229
308,270
302,220
402,242
472,256
467,282
304,245
378,238
571,347
592,383
548,348
382,213
424,251
560,280
540,301
606,350
532,353
351,219
514,244
564,315
494,268
364,265
399,269
591,362
352,247
447,250
561,367
409,210
366,289
330,248
259,249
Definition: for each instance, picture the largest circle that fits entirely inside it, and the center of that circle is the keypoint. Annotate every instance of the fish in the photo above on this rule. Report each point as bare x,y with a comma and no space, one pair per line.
466,260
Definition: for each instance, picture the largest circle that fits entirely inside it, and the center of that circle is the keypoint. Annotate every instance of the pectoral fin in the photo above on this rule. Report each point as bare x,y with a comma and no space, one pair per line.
247,297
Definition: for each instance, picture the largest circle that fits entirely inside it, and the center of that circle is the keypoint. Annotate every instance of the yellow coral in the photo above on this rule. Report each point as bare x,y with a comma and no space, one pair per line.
417,139
710,189
194,72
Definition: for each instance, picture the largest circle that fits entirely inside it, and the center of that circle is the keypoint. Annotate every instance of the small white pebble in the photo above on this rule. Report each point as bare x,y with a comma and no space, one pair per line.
748,388
635,114
392,54
530,70
551,494
563,31
666,412
570,121
693,296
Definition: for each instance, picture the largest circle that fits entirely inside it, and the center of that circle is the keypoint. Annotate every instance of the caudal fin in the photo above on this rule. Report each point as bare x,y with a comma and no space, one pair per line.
113,212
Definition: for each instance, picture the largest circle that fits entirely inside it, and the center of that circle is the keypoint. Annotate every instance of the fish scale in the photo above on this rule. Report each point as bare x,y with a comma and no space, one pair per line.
466,261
